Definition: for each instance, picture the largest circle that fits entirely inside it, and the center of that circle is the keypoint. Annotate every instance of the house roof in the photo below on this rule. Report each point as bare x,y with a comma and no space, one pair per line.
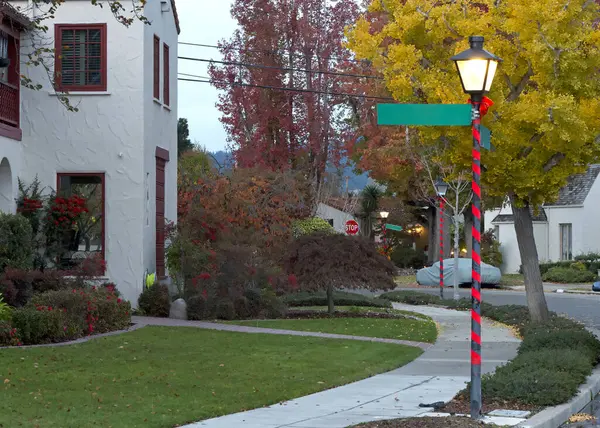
8,11
176,16
509,218
578,187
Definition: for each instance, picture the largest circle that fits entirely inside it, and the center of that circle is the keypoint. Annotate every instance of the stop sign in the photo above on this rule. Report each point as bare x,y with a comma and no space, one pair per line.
352,227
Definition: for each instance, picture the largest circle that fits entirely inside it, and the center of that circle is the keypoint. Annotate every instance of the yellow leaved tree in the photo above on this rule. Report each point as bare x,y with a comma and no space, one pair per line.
546,117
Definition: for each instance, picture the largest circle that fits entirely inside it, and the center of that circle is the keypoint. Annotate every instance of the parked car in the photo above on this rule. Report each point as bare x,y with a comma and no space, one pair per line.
596,286
490,275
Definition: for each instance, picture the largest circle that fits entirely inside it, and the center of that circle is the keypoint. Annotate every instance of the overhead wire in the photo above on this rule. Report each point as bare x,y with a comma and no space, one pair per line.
272,67
202,79
203,45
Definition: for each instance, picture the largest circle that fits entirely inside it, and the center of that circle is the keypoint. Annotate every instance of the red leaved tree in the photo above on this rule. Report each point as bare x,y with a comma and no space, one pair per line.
297,46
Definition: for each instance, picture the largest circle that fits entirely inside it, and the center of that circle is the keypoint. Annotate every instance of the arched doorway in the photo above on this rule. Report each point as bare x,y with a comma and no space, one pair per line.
6,187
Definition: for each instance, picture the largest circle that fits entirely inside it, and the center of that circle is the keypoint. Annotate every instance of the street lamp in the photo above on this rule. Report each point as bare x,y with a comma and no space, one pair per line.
384,215
476,68
441,188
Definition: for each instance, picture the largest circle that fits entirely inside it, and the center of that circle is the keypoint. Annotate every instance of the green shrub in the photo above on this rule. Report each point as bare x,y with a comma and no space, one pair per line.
155,301
37,325
271,306
225,310
411,298
196,307
16,249
552,338
490,249
531,385
113,313
568,275
5,310
340,298
407,257
311,225
560,360
588,257
578,266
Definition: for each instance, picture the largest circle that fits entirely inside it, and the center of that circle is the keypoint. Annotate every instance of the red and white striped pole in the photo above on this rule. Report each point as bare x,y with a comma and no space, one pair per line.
441,247
476,265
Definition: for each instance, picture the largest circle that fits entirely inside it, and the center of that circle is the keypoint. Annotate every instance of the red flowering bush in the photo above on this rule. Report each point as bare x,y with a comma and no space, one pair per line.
41,324
9,335
64,212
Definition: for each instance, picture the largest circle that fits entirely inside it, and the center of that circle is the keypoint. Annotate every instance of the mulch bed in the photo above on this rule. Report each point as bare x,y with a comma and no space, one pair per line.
449,422
460,405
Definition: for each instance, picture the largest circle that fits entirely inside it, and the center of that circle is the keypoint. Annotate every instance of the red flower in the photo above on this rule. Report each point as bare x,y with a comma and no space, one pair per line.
204,294
119,300
205,275
293,280
49,308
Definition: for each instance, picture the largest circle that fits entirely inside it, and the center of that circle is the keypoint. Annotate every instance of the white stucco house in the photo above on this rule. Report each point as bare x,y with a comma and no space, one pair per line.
562,230
337,211
120,148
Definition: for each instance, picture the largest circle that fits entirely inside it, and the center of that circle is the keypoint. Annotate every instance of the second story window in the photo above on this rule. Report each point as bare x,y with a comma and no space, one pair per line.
80,57
156,68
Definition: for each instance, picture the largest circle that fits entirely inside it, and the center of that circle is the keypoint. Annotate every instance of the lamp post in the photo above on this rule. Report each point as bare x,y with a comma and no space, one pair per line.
384,215
476,68
441,188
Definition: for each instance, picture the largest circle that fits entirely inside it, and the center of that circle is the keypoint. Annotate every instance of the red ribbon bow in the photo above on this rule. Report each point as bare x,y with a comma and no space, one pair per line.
484,106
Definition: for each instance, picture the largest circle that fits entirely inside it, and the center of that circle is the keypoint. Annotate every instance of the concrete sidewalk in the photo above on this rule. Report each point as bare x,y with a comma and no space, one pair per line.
437,375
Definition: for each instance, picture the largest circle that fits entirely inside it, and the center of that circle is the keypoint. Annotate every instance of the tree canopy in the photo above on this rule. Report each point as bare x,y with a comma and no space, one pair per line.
546,117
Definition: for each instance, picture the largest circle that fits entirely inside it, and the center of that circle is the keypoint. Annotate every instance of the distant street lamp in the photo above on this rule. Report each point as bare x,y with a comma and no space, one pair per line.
441,188
476,68
384,215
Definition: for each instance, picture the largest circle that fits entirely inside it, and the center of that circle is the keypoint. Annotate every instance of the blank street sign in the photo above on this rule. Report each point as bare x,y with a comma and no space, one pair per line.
424,114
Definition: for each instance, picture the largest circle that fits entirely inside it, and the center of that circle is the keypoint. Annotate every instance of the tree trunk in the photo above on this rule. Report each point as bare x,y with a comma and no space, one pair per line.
536,300
468,231
330,307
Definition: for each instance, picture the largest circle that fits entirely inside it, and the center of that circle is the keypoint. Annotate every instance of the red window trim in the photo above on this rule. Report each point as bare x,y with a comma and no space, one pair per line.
9,128
58,64
162,154
156,67
166,76
103,178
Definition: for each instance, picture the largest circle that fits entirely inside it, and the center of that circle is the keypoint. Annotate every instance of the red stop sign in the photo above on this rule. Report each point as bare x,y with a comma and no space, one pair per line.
352,227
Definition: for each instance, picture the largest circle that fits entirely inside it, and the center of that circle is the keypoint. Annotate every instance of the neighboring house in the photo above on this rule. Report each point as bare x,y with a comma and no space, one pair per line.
562,230
337,211
120,149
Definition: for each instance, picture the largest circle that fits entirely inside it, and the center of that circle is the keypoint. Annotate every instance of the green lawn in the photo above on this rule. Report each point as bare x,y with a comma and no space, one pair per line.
161,377
387,328
512,279
405,279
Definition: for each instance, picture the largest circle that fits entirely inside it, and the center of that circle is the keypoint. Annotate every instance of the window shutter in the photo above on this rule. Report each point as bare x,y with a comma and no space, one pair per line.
156,67
166,77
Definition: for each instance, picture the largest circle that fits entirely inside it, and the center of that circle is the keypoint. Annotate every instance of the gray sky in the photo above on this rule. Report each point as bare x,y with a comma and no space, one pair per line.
205,22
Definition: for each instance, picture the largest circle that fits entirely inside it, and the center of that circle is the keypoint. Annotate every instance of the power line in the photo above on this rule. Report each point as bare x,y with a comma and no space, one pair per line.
339,58
312,91
273,67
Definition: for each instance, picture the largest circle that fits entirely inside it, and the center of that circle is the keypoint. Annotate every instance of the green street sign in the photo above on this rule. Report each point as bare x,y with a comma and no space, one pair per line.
393,227
486,137
424,114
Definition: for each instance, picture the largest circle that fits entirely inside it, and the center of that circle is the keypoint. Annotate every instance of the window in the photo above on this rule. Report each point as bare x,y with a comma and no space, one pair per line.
86,237
330,221
156,67
497,232
10,83
166,82
566,241
80,57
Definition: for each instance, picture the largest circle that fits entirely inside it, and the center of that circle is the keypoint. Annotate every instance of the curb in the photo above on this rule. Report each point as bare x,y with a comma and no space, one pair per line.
554,417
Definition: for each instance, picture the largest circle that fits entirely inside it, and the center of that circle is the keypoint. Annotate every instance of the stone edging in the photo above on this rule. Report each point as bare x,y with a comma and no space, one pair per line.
78,341
553,417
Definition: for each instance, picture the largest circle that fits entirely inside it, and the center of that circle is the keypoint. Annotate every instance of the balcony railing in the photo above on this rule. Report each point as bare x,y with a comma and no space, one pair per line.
9,104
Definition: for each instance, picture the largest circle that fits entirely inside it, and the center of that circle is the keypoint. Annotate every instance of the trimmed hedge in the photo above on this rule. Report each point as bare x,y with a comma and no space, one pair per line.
16,250
311,225
570,275
590,264
553,359
407,257
340,298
